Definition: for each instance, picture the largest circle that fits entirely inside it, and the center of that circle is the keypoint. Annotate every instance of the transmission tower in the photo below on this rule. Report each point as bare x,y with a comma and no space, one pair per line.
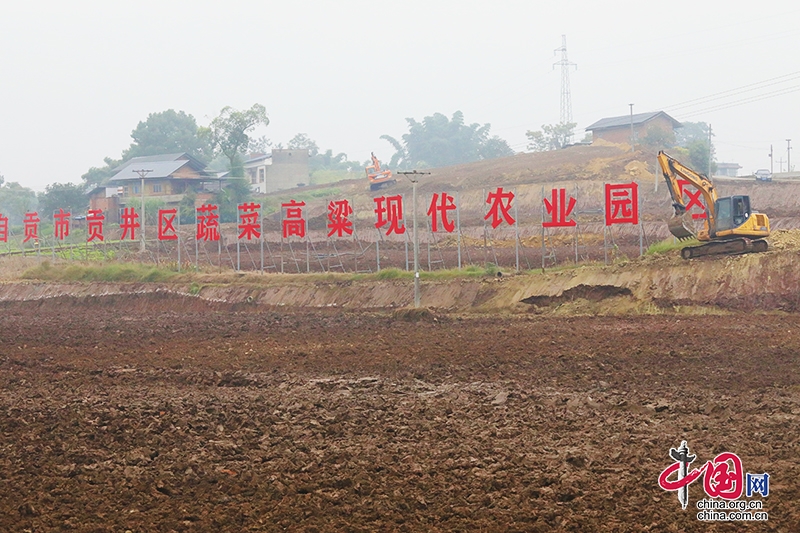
566,99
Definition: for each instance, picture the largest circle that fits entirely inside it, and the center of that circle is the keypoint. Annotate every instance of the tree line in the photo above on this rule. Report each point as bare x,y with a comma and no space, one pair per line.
223,145
688,143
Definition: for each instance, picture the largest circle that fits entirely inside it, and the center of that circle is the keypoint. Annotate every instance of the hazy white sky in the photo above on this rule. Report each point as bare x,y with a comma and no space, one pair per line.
76,77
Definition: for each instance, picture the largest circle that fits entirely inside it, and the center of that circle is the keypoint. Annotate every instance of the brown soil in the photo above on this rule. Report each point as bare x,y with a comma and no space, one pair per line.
156,412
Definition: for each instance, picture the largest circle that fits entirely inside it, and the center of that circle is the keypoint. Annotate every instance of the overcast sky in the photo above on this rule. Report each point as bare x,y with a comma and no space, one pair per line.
77,77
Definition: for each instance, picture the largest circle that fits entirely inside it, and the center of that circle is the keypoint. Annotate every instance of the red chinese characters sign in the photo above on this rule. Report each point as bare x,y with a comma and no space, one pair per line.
61,224
440,205
622,203
249,223
94,220
30,226
559,209
500,205
3,228
693,194
293,223
389,211
207,223
166,224
339,222
129,222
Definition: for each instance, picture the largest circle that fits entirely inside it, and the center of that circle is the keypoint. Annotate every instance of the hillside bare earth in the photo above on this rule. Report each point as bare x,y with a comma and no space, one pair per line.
581,170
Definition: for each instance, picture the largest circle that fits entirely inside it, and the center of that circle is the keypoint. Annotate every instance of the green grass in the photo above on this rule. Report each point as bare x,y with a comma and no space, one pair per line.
668,245
471,271
111,272
272,204
136,272
393,273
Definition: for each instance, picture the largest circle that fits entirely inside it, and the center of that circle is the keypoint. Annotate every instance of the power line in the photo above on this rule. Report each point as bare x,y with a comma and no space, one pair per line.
733,92
743,101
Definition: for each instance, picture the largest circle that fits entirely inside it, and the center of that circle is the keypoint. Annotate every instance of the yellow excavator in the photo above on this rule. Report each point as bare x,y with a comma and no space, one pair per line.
377,177
730,227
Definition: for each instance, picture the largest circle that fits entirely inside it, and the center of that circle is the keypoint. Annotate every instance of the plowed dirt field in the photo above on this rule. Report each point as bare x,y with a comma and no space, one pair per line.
146,413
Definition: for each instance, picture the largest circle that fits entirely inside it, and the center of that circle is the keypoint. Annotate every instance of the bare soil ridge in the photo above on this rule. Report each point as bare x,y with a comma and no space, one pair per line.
767,281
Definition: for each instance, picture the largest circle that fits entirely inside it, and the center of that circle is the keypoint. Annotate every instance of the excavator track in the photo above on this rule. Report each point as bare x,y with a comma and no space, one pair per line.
731,247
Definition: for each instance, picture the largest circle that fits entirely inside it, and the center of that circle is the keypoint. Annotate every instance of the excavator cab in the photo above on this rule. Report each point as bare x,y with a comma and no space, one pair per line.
732,212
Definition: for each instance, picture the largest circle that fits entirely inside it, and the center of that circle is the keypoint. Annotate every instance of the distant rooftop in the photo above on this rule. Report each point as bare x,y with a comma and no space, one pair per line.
159,166
625,120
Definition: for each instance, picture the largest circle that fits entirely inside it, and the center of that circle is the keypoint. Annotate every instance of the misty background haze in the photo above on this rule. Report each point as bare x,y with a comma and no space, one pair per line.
77,78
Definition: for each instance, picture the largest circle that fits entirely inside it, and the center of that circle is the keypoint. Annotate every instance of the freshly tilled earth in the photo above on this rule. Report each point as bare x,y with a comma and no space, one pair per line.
146,413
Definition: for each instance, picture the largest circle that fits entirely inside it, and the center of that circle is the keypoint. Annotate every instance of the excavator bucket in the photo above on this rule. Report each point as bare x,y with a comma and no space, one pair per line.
681,227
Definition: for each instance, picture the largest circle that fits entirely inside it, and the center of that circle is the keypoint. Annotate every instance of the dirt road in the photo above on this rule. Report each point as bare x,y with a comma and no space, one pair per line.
149,413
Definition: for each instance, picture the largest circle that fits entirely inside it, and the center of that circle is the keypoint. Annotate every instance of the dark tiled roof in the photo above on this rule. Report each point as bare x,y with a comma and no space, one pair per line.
625,120
193,161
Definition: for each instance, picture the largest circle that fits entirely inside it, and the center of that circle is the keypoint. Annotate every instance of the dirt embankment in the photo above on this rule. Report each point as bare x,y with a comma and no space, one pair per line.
766,281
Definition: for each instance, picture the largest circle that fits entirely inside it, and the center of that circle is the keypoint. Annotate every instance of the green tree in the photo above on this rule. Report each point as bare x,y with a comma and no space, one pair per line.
693,136
235,192
301,141
67,196
691,131
324,167
551,136
228,133
100,175
187,207
438,141
698,156
658,139
168,132
15,201
260,145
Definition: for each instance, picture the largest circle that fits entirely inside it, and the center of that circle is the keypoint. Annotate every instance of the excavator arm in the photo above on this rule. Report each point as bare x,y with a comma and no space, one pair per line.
731,226
673,171
378,177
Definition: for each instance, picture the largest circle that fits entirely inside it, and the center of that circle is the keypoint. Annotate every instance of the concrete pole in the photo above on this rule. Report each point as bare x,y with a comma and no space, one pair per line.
416,245
632,143
788,155
709,151
143,246
458,226
142,173
770,160
414,180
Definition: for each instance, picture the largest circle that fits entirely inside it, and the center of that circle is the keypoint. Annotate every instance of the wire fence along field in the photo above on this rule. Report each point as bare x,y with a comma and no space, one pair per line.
367,250
297,241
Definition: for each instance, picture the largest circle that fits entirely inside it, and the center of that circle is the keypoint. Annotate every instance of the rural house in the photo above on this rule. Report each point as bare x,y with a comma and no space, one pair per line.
618,129
282,169
167,179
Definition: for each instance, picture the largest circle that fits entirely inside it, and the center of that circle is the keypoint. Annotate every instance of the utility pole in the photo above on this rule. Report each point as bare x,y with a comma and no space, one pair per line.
142,173
632,149
770,159
788,155
414,180
709,151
